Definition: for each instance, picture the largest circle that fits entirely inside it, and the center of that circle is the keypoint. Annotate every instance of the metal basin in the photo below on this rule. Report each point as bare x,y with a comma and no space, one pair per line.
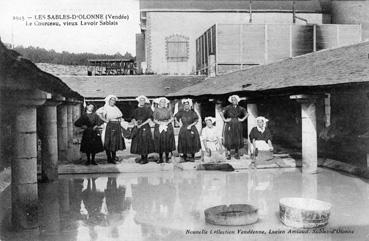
304,213
232,215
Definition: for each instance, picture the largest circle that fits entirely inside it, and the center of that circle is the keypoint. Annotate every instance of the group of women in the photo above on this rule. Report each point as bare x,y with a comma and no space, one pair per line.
110,137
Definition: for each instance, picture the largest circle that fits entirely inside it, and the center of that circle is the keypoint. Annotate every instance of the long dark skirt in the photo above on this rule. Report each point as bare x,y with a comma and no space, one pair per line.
164,141
91,141
188,140
233,138
113,137
142,142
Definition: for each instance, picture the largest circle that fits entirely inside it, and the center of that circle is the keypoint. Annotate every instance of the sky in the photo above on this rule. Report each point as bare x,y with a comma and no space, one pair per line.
99,39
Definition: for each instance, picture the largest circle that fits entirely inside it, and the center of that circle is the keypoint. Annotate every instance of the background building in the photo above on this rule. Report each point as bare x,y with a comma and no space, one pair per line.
169,29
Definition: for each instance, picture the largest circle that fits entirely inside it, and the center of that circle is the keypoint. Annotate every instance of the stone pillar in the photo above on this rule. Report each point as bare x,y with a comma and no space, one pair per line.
219,124
309,133
309,138
76,135
197,109
24,170
49,142
252,109
70,130
62,132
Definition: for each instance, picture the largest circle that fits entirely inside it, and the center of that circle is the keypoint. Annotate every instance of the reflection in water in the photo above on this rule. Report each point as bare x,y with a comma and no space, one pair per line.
162,206
92,201
116,204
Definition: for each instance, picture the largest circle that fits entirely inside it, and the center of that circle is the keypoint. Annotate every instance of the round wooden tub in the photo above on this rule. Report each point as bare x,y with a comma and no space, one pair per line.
232,215
303,212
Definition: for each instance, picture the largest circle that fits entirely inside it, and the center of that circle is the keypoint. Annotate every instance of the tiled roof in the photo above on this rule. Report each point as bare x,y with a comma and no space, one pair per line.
129,86
16,69
344,65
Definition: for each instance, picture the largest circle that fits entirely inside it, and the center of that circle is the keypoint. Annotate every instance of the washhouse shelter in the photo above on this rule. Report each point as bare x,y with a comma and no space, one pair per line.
127,88
317,102
34,106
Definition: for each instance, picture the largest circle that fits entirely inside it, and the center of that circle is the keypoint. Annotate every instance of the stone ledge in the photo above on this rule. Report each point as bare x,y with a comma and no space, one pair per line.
345,167
129,166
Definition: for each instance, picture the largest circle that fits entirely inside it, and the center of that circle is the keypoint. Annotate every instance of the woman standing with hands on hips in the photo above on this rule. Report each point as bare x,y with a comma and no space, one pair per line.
112,132
233,115
188,138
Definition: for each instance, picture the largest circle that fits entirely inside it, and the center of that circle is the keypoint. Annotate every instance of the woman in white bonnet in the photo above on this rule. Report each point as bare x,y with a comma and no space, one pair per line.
142,142
113,139
233,115
260,136
188,137
164,132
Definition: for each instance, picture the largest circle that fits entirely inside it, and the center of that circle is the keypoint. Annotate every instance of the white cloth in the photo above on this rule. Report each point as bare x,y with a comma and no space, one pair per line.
163,98
156,100
187,100
262,145
265,120
109,113
144,97
234,96
107,98
212,119
163,127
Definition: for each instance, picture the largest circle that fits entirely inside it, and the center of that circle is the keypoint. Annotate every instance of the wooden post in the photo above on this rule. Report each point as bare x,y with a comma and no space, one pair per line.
291,47
265,43
314,37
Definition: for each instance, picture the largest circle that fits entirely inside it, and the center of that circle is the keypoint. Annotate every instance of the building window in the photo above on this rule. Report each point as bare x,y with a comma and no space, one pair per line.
177,48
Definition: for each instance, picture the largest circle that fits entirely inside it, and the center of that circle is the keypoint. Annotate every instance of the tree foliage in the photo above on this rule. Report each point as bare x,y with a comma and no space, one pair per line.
41,55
